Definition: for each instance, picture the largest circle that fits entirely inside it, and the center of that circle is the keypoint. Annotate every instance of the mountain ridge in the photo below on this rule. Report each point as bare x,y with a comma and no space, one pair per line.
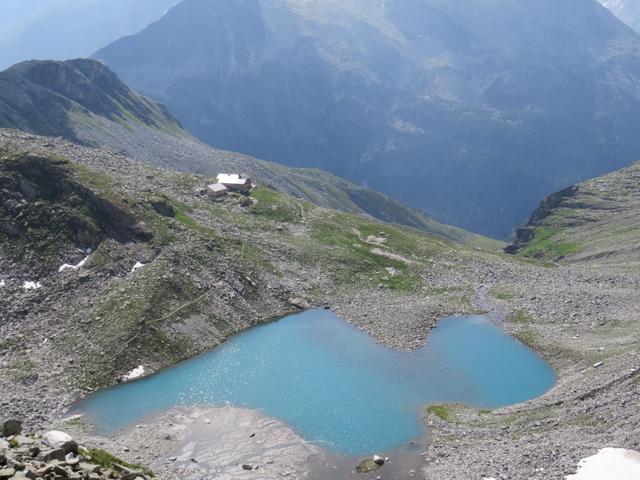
84,101
594,222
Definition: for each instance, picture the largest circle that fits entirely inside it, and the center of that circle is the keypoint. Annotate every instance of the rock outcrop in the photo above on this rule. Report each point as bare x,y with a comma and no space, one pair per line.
56,455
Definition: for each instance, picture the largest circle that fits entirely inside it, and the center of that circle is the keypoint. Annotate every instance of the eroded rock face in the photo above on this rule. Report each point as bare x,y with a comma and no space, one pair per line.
163,207
524,235
45,211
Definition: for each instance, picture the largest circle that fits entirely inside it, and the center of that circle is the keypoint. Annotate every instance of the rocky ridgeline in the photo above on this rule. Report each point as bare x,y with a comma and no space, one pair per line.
57,456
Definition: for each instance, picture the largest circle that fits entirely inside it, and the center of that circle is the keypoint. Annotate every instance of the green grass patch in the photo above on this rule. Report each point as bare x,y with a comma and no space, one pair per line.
441,411
100,181
21,369
182,217
106,460
586,420
276,206
520,316
545,244
253,256
352,259
501,294
529,337
455,296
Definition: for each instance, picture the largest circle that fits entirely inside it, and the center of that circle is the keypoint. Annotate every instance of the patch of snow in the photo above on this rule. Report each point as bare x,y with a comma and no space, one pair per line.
609,463
137,266
2,283
133,374
31,285
66,266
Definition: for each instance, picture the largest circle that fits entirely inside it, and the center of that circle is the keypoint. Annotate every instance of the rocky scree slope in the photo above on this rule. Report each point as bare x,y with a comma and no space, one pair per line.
214,268
83,101
157,272
56,455
596,221
471,111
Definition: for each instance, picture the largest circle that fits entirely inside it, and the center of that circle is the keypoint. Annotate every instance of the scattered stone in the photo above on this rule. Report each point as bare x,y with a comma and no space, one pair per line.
163,207
57,439
7,473
47,456
368,465
133,374
300,303
11,427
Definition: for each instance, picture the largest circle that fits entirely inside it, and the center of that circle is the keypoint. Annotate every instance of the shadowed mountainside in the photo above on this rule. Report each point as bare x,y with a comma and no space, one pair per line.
82,100
471,111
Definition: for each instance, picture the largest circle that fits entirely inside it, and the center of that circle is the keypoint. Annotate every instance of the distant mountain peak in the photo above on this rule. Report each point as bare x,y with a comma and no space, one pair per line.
44,96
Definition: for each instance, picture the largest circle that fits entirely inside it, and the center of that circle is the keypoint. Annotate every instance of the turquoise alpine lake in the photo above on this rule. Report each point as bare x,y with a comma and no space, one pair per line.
333,384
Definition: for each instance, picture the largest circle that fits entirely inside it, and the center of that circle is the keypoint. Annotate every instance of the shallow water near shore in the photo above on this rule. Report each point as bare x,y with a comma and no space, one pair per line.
333,384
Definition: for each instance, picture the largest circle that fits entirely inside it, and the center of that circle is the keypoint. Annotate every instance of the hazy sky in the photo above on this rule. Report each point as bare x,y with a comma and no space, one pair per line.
60,29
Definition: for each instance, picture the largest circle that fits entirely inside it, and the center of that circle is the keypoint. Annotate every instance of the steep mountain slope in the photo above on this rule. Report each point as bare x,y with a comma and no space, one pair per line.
471,111
626,10
62,29
212,268
84,101
596,221
50,97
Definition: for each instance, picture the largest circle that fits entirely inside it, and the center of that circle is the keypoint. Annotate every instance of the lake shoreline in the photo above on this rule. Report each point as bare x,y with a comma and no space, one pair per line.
227,442
182,442
589,408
